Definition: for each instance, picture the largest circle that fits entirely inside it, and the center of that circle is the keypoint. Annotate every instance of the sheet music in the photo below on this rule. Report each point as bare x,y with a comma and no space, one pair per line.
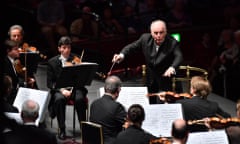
131,95
41,97
211,137
15,116
159,118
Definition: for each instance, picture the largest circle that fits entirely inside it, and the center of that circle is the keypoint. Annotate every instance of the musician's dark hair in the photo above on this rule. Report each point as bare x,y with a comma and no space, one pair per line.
136,113
9,44
179,132
112,84
64,40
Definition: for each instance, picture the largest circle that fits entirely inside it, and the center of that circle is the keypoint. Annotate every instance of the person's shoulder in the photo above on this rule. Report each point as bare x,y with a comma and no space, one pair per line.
146,35
53,59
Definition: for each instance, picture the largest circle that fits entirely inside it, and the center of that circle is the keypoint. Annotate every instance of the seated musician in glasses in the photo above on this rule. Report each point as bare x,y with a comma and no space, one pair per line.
134,134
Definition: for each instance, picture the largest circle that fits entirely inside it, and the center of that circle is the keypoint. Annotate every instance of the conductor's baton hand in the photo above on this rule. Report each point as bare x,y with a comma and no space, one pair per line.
117,58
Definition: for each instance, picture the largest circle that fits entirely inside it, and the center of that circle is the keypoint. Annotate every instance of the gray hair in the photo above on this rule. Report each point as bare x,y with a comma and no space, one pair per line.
16,27
158,21
30,109
112,84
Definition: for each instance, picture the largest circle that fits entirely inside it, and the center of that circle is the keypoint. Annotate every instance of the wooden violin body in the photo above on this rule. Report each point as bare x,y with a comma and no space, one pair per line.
162,140
26,48
217,123
170,96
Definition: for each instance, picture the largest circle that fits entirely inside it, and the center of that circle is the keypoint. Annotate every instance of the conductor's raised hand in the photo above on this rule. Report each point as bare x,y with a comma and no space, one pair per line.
117,58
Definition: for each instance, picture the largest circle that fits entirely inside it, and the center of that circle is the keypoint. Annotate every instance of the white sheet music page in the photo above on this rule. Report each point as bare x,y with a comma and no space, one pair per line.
41,97
131,95
159,118
210,137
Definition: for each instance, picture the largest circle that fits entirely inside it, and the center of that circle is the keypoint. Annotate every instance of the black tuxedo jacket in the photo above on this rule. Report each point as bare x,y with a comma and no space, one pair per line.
110,114
157,62
9,70
29,134
197,108
134,135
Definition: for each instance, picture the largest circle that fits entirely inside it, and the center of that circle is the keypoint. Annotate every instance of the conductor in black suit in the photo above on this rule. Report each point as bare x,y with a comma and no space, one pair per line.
60,96
162,56
107,112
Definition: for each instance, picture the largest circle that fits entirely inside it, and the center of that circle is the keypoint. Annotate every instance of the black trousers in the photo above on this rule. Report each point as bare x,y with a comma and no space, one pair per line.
59,106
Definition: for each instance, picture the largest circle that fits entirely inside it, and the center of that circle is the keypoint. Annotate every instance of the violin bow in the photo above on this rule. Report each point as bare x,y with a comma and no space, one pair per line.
111,67
82,55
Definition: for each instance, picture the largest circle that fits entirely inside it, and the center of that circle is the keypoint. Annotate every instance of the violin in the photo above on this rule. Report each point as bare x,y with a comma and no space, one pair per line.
162,140
22,71
26,48
216,122
170,96
76,60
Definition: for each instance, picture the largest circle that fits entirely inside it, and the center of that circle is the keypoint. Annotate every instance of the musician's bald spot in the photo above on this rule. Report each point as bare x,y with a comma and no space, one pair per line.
179,123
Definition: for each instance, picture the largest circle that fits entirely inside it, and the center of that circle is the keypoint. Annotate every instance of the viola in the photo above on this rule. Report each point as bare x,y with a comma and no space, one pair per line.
162,140
22,71
76,60
170,96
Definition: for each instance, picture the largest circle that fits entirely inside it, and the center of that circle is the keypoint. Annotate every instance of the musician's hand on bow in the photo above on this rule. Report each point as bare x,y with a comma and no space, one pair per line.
117,58
169,72
162,96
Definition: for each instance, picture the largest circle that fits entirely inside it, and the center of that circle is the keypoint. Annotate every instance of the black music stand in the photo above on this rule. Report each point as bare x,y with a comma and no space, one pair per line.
76,76
30,61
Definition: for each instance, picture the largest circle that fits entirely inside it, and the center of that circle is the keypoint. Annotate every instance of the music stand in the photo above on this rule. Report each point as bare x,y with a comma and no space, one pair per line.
30,61
77,75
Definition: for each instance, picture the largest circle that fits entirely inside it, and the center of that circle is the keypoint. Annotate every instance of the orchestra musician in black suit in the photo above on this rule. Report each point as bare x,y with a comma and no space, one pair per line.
134,134
60,96
107,112
198,107
9,68
28,132
162,56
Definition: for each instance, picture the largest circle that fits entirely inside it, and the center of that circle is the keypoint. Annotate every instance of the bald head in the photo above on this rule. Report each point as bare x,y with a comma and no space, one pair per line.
112,84
179,129
158,31
30,110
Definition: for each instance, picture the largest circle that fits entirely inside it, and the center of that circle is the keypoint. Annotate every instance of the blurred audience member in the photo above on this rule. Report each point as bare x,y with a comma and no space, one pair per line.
51,16
224,63
130,21
84,27
109,26
178,17
204,52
